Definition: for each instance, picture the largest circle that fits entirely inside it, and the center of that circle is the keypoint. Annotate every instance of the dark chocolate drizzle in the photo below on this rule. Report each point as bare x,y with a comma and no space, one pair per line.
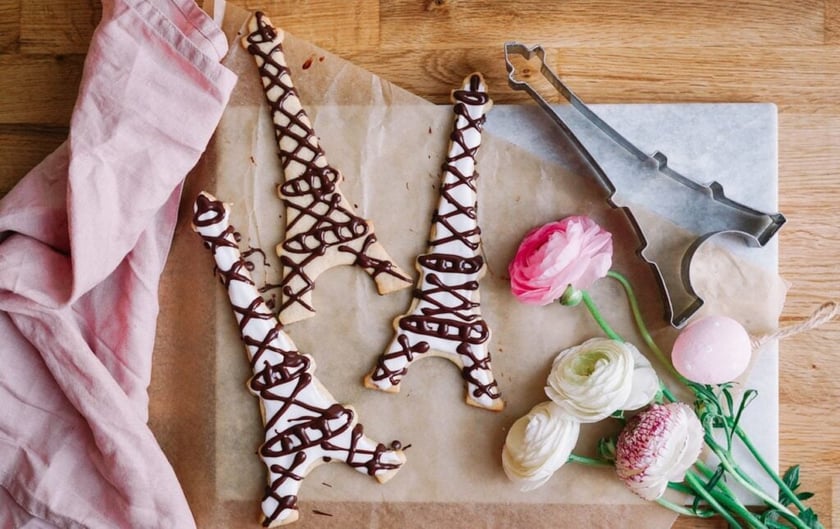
252,251
460,322
332,223
281,375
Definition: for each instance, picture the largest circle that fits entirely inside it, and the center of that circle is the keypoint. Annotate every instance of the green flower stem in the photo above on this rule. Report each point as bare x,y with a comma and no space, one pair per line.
725,455
667,392
723,495
640,323
704,468
729,498
708,472
596,315
720,451
742,435
697,485
643,330
693,511
680,487
589,461
742,478
685,511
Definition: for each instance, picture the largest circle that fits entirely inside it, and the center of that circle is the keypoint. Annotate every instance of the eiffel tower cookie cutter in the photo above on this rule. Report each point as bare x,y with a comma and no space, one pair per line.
631,176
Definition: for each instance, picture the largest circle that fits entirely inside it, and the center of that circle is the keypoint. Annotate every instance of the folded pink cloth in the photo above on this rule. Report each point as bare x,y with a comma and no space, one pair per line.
83,240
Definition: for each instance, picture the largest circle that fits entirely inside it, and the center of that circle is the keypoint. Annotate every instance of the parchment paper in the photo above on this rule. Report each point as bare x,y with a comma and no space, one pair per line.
390,145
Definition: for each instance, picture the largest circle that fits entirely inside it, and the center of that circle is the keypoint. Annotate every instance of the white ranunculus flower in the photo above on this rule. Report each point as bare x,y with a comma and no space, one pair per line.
538,444
645,383
657,446
592,380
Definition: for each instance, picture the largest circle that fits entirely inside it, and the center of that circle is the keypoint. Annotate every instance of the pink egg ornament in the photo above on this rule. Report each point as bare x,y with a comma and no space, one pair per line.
712,350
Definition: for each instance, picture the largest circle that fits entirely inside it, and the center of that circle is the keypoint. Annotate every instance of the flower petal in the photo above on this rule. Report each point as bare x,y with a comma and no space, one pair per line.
645,383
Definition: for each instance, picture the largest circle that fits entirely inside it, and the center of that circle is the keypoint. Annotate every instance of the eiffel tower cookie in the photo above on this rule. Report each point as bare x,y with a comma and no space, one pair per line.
304,425
322,227
445,315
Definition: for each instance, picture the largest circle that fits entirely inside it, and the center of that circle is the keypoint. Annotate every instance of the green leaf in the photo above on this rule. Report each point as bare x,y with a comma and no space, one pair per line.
784,499
810,518
746,399
749,396
791,477
730,405
716,477
805,495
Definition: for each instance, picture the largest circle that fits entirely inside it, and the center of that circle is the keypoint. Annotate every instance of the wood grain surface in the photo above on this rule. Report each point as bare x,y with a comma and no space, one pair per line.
787,53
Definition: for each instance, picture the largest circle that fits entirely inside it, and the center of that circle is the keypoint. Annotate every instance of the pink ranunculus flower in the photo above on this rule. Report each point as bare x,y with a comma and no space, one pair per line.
572,252
658,446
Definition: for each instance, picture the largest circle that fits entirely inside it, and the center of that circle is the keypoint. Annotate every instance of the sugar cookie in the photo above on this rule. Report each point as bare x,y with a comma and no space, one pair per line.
304,425
445,315
322,228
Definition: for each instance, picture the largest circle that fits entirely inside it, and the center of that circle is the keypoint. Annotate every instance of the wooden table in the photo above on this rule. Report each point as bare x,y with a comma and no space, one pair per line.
787,53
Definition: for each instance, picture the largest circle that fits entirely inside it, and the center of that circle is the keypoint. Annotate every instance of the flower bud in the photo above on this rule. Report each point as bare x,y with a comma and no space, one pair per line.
571,297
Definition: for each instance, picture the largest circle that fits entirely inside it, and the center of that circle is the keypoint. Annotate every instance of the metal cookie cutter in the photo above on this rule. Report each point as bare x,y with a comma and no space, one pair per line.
632,177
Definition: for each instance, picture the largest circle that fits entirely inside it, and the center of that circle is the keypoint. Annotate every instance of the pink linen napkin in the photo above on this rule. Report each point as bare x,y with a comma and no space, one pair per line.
83,240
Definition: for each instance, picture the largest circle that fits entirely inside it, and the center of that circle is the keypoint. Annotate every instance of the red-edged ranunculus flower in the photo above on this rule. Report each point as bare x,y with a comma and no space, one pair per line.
572,252
657,446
